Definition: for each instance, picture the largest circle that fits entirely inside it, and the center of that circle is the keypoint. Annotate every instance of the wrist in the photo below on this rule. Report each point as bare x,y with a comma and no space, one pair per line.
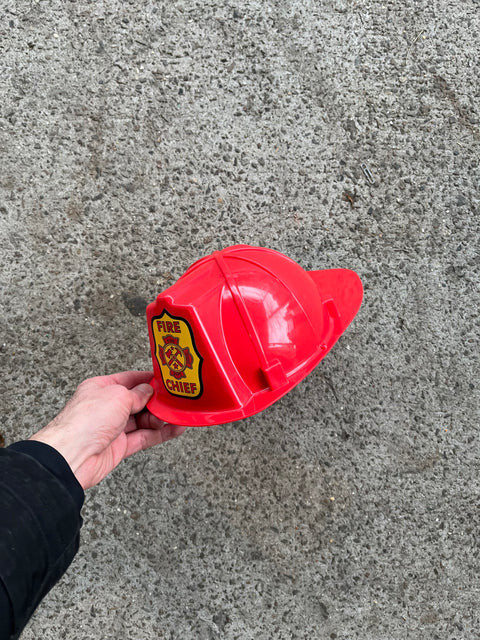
71,452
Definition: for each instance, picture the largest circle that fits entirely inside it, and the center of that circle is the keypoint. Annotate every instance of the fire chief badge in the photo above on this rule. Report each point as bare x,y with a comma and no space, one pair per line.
177,356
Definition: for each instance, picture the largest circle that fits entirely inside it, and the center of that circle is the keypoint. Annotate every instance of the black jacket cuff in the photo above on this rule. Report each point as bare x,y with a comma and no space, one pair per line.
40,502
54,462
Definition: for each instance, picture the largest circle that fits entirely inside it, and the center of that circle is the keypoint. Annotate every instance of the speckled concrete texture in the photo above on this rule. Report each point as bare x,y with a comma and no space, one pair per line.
136,137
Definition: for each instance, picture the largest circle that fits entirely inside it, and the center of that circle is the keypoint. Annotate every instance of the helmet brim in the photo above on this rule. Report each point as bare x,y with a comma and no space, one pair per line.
344,287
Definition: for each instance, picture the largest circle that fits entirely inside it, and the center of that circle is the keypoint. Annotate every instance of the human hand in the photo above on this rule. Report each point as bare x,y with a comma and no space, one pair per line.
103,423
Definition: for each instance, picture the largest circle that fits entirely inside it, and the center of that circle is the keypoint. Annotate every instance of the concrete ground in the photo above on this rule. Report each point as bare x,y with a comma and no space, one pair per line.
138,136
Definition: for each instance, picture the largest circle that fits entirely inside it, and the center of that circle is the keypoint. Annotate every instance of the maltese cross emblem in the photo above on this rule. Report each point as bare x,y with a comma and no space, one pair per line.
175,358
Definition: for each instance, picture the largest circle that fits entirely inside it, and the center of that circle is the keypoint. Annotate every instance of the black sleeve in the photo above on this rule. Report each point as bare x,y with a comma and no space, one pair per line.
40,502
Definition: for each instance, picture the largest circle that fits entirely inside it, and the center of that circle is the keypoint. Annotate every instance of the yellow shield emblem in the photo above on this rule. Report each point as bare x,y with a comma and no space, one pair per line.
177,356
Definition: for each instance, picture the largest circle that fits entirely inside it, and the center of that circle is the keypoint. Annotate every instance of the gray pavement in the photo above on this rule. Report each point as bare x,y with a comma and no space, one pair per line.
136,137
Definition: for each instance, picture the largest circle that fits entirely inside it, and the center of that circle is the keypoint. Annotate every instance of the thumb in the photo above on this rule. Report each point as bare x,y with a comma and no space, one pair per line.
141,394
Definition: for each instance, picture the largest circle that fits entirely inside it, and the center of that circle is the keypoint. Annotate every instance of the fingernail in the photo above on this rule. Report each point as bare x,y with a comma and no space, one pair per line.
178,431
145,389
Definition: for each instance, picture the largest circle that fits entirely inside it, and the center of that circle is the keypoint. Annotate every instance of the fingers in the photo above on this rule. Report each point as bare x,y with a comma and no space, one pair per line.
145,438
131,424
170,431
146,420
139,397
128,379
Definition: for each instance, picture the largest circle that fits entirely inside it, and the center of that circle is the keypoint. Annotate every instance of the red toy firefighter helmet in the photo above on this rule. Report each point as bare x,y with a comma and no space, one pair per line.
239,329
